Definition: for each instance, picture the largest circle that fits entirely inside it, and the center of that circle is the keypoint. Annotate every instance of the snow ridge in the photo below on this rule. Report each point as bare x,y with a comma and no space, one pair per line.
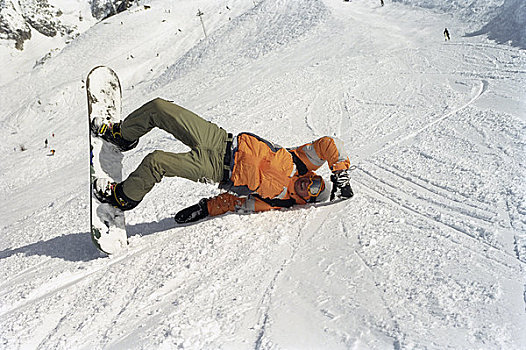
265,28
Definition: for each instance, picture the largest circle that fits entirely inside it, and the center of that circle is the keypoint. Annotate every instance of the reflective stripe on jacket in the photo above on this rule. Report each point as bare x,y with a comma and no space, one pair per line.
325,149
226,202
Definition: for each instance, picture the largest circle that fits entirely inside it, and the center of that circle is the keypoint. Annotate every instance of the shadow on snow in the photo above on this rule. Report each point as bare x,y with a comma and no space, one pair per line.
78,246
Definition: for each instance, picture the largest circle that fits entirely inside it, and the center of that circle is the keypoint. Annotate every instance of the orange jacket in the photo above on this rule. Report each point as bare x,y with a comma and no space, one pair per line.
269,171
263,167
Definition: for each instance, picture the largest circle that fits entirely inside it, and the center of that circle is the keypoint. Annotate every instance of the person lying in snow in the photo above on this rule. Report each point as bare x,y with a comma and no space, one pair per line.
257,174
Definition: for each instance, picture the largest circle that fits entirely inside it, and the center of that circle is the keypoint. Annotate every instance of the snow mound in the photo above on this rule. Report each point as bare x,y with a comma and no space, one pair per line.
509,26
502,20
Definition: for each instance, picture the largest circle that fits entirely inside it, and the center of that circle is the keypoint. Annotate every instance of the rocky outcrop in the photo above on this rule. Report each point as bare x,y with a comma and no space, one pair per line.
13,25
101,9
18,18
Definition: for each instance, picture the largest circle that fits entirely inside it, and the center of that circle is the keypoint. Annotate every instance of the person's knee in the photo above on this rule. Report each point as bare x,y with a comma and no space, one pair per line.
159,103
154,158
155,162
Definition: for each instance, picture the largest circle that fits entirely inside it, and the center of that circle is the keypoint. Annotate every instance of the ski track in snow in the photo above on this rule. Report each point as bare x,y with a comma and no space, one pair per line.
58,286
430,253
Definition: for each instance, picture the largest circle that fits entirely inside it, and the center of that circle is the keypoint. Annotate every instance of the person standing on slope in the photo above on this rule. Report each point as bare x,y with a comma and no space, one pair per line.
257,174
446,35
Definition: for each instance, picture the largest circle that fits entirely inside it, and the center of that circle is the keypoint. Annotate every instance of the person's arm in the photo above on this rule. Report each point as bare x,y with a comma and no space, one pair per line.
226,202
221,204
331,150
325,149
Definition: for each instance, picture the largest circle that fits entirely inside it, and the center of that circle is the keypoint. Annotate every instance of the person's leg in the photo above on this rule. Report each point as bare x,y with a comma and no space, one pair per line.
203,162
197,165
185,125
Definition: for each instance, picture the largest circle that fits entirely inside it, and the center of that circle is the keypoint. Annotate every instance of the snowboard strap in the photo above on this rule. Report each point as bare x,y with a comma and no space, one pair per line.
300,166
279,203
227,161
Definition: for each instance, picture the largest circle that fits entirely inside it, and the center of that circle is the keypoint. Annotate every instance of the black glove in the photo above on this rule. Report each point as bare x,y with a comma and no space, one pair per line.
193,213
341,185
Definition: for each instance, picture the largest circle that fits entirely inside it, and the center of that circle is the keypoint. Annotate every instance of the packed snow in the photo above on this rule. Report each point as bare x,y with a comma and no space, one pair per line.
429,254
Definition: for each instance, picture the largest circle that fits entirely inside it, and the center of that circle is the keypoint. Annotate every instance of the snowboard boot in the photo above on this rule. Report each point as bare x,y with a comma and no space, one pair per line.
193,213
111,132
111,192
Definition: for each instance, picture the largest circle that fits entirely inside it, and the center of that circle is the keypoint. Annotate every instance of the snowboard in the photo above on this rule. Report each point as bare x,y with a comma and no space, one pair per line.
107,224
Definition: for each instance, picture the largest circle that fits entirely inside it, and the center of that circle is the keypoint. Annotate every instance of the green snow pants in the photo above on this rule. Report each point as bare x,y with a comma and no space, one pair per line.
203,162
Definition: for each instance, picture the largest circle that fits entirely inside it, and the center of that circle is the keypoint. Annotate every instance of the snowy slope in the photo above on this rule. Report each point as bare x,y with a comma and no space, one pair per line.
501,20
431,252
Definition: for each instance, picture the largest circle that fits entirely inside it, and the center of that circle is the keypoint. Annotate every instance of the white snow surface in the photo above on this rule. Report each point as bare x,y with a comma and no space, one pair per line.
429,254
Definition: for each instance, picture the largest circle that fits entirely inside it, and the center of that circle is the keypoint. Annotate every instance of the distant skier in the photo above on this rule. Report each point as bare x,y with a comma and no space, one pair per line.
262,175
45,144
382,2
446,35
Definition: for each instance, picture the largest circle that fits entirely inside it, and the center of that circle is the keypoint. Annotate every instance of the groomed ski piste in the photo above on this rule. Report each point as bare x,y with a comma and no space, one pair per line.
429,254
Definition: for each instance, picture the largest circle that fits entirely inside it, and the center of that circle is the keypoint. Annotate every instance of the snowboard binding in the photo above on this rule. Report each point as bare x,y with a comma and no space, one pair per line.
110,192
111,132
